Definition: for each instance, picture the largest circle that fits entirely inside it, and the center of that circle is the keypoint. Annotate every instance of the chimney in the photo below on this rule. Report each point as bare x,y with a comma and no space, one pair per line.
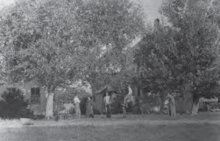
156,23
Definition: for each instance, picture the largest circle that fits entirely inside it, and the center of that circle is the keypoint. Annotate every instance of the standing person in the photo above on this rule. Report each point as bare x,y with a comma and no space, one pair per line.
77,106
172,106
169,105
107,105
89,108
124,110
128,96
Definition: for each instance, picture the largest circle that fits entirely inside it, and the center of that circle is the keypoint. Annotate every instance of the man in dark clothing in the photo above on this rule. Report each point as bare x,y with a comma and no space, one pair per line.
107,105
89,108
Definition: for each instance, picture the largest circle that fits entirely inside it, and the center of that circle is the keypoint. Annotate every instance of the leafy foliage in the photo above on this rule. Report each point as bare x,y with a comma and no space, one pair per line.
63,40
57,42
181,58
113,25
50,56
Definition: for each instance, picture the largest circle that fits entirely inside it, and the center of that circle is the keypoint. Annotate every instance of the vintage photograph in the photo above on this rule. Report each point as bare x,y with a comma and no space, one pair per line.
109,70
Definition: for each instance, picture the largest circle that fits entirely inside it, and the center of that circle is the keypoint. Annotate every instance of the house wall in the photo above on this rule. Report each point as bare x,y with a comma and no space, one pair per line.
40,108
98,104
179,105
188,99
36,108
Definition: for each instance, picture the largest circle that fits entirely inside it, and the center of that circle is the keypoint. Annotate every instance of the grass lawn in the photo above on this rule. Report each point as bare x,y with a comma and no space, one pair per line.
181,132
114,130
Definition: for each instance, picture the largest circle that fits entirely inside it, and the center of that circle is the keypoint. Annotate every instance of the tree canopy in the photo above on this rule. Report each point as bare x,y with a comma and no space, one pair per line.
182,57
57,42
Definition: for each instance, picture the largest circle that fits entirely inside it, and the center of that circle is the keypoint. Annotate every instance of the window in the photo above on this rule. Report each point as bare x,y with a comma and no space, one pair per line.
12,90
35,95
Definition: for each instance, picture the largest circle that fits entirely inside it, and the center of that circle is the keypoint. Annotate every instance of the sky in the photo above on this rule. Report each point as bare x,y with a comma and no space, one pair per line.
5,2
151,7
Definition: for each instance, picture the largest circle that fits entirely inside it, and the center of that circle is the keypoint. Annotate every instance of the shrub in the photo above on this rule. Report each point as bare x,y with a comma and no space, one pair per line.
13,105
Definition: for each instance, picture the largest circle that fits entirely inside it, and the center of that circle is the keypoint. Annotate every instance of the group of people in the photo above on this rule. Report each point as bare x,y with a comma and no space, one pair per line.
108,101
89,107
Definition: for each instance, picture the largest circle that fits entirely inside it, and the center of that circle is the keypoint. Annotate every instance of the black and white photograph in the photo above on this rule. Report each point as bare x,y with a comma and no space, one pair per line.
109,70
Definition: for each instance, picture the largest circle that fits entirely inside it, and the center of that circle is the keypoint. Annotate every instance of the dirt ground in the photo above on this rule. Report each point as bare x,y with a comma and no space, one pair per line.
135,128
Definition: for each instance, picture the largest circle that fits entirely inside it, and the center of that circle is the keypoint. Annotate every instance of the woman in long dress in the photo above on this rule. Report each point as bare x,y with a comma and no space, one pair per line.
77,106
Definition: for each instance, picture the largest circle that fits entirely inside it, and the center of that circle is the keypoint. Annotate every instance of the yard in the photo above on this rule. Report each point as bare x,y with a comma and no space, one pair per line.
203,127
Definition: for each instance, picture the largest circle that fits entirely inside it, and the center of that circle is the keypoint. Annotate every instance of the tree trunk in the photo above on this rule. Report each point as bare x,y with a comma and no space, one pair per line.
195,108
161,104
174,109
172,106
49,106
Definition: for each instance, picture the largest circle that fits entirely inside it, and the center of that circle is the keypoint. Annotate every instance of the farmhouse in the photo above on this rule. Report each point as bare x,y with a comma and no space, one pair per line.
37,96
32,92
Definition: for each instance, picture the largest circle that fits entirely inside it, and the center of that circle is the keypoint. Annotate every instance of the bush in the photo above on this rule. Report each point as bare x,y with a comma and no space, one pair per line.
13,105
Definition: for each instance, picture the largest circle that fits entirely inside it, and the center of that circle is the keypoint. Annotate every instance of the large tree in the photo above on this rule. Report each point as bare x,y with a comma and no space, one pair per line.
113,24
183,57
42,44
58,42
